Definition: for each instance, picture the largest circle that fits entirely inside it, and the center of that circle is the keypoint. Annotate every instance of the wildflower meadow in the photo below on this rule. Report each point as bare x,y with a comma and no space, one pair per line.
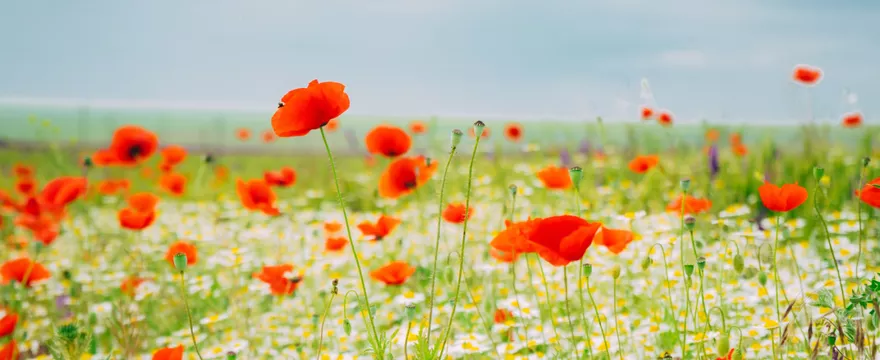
420,239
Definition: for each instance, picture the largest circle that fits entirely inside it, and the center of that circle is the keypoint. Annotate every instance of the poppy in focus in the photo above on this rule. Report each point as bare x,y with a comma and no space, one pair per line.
404,175
390,141
561,240
305,109
784,198
456,213
555,177
869,194
379,230
613,239
642,163
515,237
395,273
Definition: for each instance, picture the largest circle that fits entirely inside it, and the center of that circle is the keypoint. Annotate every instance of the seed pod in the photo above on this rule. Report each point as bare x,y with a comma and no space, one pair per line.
832,340
739,263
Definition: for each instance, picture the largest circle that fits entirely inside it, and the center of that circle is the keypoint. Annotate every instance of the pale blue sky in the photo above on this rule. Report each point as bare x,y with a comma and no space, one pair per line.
522,58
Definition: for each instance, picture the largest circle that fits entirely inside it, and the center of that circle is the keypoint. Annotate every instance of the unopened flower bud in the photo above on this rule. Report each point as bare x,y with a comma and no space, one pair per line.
818,172
866,161
230,355
209,159
335,289
689,223
762,278
346,326
456,138
685,184
737,355
646,263
701,263
512,189
576,174
722,344
180,261
478,128
588,269
689,269
832,340
739,263
87,162
615,272
411,311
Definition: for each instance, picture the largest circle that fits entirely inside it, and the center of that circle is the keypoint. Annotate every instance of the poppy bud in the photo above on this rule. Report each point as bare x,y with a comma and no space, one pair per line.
701,263
588,270
411,311
180,261
209,159
456,137
230,356
427,161
346,326
689,269
685,184
739,263
512,189
335,289
646,263
576,174
478,128
750,272
818,172
615,272
689,223
866,161
832,340
762,278
722,344
737,354
87,162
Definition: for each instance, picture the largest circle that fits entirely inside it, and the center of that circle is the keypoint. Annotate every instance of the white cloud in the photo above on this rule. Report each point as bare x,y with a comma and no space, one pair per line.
683,58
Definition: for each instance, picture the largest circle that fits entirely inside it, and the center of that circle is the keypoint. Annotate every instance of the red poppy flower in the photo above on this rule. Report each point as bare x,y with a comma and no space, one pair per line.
647,113
561,240
143,201
103,158
16,270
641,164
404,175
268,136
456,213
7,323
380,229
513,132
740,149
174,183
285,177
305,109
729,355
130,284
555,177
243,134
390,141
132,219
332,125
395,273
332,226
279,279
692,205
9,351
131,144
869,194
335,243
515,238
61,191
192,255
169,353
417,127
173,155
505,257
22,170
712,135
502,316
664,118
782,199
26,185
255,194
806,75
851,120
613,239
